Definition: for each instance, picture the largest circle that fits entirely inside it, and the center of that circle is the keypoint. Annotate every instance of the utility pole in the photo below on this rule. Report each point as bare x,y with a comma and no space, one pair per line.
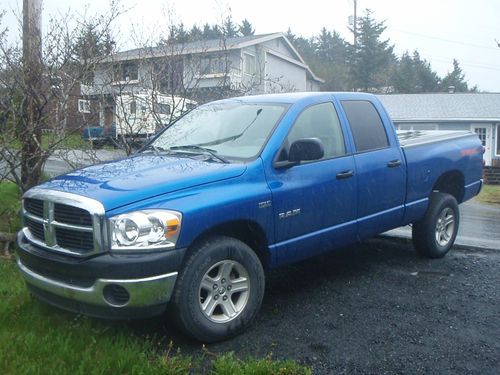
30,129
355,23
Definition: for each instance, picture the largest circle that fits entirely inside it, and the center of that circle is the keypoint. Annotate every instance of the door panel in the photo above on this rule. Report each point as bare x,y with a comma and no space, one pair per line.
314,210
381,190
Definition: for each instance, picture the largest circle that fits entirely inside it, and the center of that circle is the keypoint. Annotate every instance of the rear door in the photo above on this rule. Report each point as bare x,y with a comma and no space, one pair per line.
380,169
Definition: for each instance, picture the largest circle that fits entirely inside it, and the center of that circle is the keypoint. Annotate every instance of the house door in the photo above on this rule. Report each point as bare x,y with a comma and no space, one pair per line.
484,134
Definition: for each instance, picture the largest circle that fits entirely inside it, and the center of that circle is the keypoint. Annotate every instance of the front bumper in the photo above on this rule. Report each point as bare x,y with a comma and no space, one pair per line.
107,286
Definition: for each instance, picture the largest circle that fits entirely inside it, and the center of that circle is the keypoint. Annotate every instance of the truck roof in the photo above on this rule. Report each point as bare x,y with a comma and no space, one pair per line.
294,97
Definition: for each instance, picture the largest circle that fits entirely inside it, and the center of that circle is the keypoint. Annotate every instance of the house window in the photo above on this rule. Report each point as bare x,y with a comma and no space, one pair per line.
128,71
481,133
83,106
214,64
132,107
248,63
161,108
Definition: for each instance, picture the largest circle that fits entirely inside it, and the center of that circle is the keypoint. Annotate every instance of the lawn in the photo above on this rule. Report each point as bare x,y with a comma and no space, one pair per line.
9,207
490,194
38,339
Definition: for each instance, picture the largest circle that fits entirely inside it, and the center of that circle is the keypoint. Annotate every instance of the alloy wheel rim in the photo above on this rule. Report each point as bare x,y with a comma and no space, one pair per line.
445,226
224,291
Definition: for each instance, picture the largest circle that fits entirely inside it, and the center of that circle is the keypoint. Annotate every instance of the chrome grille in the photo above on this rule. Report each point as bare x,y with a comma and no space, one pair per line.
35,228
67,238
72,215
63,222
34,206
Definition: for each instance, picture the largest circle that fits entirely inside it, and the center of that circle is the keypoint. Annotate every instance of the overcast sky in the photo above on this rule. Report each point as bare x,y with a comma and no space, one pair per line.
440,29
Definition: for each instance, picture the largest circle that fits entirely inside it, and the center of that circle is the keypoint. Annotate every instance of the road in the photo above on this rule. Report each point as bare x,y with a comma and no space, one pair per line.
62,163
479,226
373,308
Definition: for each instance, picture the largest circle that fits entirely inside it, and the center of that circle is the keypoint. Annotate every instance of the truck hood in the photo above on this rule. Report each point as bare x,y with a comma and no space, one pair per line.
142,176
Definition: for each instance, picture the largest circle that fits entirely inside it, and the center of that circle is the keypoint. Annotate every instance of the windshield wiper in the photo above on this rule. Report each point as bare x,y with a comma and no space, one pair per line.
204,150
156,149
233,137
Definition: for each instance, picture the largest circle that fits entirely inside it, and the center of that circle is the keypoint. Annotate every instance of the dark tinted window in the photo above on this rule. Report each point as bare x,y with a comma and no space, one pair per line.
320,121
366,126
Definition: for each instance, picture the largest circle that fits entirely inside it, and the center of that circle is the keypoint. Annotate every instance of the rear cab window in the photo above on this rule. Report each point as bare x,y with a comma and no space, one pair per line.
367,127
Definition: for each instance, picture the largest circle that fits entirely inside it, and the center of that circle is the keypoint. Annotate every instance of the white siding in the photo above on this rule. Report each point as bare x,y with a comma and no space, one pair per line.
283,76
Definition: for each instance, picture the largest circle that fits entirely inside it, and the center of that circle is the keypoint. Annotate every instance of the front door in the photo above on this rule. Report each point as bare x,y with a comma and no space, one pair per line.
314,203
484,134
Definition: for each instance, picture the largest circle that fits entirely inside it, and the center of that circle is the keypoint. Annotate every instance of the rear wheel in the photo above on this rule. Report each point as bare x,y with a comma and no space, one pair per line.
434,235
220,289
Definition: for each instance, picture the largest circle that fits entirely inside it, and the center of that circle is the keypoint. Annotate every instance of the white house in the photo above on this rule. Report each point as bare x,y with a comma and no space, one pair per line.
203,70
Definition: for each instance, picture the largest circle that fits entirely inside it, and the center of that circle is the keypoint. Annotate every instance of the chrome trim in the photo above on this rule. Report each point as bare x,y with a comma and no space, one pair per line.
143,292
49,198
80,228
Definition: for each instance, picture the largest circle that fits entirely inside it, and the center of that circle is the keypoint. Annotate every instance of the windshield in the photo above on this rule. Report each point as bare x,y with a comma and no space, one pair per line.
230,129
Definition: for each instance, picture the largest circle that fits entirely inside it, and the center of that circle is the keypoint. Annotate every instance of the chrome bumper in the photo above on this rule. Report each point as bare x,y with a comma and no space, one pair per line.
142,292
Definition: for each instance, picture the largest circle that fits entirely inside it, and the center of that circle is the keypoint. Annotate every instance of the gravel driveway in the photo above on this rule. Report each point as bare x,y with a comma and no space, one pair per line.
375,308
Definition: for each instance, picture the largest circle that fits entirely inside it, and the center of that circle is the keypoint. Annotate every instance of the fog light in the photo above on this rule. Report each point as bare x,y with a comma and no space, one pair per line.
116,295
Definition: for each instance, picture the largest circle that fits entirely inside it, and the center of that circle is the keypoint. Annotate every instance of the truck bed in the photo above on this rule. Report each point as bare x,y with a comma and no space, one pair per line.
408,138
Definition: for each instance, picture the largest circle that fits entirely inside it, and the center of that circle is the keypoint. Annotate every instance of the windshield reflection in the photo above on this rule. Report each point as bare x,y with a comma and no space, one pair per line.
227,130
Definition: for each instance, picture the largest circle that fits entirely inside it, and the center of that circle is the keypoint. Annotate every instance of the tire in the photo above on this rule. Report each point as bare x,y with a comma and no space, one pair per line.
434,235
219,290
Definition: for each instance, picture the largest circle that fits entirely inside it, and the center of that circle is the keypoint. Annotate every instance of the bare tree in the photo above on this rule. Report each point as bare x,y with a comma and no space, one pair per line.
36,92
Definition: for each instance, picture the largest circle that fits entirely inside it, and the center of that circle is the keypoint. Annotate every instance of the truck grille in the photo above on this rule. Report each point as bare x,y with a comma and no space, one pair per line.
35,228
34,206
72,215
63,222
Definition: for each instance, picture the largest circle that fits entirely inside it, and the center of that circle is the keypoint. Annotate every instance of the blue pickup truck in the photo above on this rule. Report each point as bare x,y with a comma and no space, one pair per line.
191,223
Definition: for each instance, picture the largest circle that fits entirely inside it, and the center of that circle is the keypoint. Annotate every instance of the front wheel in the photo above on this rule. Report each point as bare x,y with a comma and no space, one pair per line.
434,235
219,290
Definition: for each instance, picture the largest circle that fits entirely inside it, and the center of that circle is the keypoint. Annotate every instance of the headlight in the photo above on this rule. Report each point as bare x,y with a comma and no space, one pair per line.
148,229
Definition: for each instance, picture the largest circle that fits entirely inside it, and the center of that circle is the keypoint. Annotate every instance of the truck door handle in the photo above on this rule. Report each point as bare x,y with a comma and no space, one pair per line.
343,175
394,164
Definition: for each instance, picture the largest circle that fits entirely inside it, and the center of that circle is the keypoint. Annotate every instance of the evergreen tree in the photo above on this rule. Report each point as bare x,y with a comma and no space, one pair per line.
229,28
371,59
246,28
414,75
211,32
455,79
195,34
330,60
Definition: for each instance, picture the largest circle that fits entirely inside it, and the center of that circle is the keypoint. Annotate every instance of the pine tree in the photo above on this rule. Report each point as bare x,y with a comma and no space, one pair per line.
455,79
229,28
371,58
246,28
414,75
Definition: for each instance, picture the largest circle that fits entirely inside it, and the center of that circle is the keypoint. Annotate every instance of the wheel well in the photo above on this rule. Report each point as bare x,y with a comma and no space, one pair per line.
452,183
246,231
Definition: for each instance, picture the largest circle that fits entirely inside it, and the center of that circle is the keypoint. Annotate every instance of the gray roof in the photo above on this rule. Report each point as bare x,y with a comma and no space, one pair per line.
442,107
188,48
204,46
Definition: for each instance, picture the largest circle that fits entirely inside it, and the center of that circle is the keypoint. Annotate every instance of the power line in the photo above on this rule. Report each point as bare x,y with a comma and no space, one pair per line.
446,40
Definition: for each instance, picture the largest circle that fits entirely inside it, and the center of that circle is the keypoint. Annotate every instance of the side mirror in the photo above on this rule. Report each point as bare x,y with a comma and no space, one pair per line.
306,149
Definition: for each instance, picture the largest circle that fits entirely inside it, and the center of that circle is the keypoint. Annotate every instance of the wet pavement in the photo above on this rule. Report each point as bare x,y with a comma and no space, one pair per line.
479,226
371,308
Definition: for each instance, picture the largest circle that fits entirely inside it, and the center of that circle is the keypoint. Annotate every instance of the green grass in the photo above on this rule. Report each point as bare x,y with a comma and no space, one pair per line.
38,339
490,194
71,142
10,204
